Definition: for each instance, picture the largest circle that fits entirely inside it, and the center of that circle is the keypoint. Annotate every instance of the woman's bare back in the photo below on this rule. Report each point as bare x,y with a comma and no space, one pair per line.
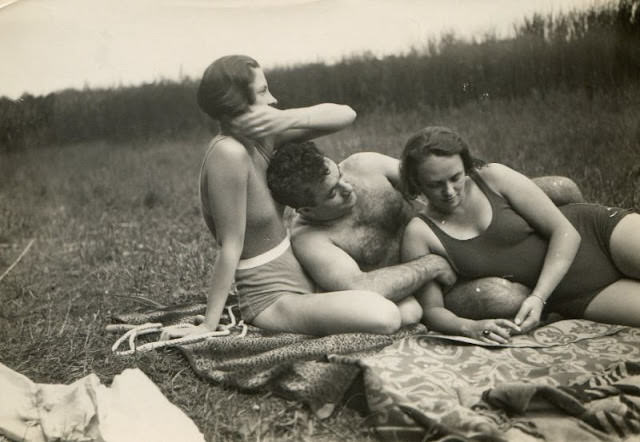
264,226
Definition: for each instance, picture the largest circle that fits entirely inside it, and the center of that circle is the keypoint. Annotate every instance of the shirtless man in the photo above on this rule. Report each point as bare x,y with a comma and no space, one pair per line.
349,222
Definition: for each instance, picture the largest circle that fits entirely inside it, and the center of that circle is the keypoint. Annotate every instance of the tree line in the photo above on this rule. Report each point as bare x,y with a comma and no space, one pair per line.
597,49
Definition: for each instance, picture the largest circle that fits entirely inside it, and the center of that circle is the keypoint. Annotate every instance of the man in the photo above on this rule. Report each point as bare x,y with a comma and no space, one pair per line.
349,224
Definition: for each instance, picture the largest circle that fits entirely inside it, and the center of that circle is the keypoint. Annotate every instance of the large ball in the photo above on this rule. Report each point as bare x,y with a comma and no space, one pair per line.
486,298
561,189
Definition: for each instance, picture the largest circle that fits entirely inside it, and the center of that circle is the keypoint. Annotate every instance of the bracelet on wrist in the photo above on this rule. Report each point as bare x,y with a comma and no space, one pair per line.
540,298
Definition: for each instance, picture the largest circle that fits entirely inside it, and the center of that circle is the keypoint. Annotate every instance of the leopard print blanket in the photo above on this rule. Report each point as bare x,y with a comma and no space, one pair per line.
294,366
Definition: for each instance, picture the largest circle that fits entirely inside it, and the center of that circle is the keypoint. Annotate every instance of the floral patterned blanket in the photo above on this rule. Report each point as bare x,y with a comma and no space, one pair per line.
569,380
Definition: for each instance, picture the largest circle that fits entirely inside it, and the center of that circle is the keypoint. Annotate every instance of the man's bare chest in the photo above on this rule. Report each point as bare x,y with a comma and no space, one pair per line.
372,235
370,247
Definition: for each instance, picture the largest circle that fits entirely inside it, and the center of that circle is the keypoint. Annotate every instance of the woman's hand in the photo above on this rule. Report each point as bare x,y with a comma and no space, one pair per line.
180,332
261,122
493,331
529,314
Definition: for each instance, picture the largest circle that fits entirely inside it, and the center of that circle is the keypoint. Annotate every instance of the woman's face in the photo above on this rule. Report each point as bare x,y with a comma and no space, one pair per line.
260,89
442,180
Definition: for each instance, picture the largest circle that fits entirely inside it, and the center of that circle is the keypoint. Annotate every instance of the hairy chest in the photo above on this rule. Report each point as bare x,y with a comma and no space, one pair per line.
373,234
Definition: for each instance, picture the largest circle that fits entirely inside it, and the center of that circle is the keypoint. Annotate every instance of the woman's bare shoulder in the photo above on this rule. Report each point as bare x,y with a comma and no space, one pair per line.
227,152
418,239
418,229
497,176
493,170
226,145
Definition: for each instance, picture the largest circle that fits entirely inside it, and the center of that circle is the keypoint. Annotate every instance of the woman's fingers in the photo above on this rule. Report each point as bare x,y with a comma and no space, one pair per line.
502,333
258,122
499,331
529,314
495,336
510,326
530,322
171,333
523,313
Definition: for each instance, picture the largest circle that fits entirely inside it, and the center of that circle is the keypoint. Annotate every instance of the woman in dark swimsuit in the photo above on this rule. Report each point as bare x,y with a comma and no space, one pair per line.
580,260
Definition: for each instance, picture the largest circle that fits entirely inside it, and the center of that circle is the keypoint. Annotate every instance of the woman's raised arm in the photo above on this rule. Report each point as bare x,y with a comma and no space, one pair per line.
293,124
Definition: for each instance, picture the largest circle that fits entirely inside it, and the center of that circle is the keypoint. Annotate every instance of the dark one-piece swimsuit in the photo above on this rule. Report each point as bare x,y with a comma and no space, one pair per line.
510,248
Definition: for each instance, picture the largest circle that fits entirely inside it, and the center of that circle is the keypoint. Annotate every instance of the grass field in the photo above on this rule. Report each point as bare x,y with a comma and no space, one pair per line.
113,220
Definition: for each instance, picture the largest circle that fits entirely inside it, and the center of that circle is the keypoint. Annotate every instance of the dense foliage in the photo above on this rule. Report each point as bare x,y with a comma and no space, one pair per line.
590,50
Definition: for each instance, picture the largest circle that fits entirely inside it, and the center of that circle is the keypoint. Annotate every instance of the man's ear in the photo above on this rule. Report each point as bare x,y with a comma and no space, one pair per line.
304,210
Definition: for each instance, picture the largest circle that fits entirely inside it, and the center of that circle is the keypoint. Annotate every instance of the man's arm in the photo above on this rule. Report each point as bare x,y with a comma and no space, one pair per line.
333,269
374,163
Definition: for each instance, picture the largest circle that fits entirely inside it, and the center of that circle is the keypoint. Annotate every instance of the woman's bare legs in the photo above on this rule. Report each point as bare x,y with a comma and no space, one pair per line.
332,312
619,303
625,245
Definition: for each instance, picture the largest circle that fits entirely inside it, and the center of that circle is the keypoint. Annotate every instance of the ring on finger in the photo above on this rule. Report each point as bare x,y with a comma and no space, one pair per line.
486,332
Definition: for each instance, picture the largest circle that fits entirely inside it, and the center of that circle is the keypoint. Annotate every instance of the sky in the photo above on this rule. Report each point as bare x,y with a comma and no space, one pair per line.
49,45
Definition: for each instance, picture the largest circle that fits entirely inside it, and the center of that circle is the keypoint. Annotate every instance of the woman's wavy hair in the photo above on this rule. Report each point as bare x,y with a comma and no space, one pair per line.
225,89
432,140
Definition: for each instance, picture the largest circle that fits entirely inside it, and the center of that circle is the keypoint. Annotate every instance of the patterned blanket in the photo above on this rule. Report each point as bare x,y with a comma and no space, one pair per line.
292,365
569,380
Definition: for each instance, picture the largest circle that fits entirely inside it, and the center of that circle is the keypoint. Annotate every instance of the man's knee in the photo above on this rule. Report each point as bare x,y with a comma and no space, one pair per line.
388,324
384,317
410,311
561,189
486,298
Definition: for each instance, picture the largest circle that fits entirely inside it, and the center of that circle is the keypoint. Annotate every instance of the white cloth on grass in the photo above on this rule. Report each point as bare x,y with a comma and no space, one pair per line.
132,409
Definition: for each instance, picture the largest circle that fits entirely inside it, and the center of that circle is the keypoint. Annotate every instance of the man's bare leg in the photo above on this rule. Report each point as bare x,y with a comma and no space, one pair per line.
332,312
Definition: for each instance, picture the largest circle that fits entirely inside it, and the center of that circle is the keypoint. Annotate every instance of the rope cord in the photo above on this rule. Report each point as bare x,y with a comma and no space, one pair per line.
133,331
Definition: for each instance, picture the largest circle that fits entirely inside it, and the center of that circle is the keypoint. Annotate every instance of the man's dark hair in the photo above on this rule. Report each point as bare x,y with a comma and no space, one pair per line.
293,171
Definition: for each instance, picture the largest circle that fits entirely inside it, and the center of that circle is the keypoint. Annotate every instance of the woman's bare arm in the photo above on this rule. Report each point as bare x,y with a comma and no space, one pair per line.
436,316
541,213
282,125
227,174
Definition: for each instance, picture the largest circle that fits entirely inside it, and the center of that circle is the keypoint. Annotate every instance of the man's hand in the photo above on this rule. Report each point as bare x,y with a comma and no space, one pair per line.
445,275
261,122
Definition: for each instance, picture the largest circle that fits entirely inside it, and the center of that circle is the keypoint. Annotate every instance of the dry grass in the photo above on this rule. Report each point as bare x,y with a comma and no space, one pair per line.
111,220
